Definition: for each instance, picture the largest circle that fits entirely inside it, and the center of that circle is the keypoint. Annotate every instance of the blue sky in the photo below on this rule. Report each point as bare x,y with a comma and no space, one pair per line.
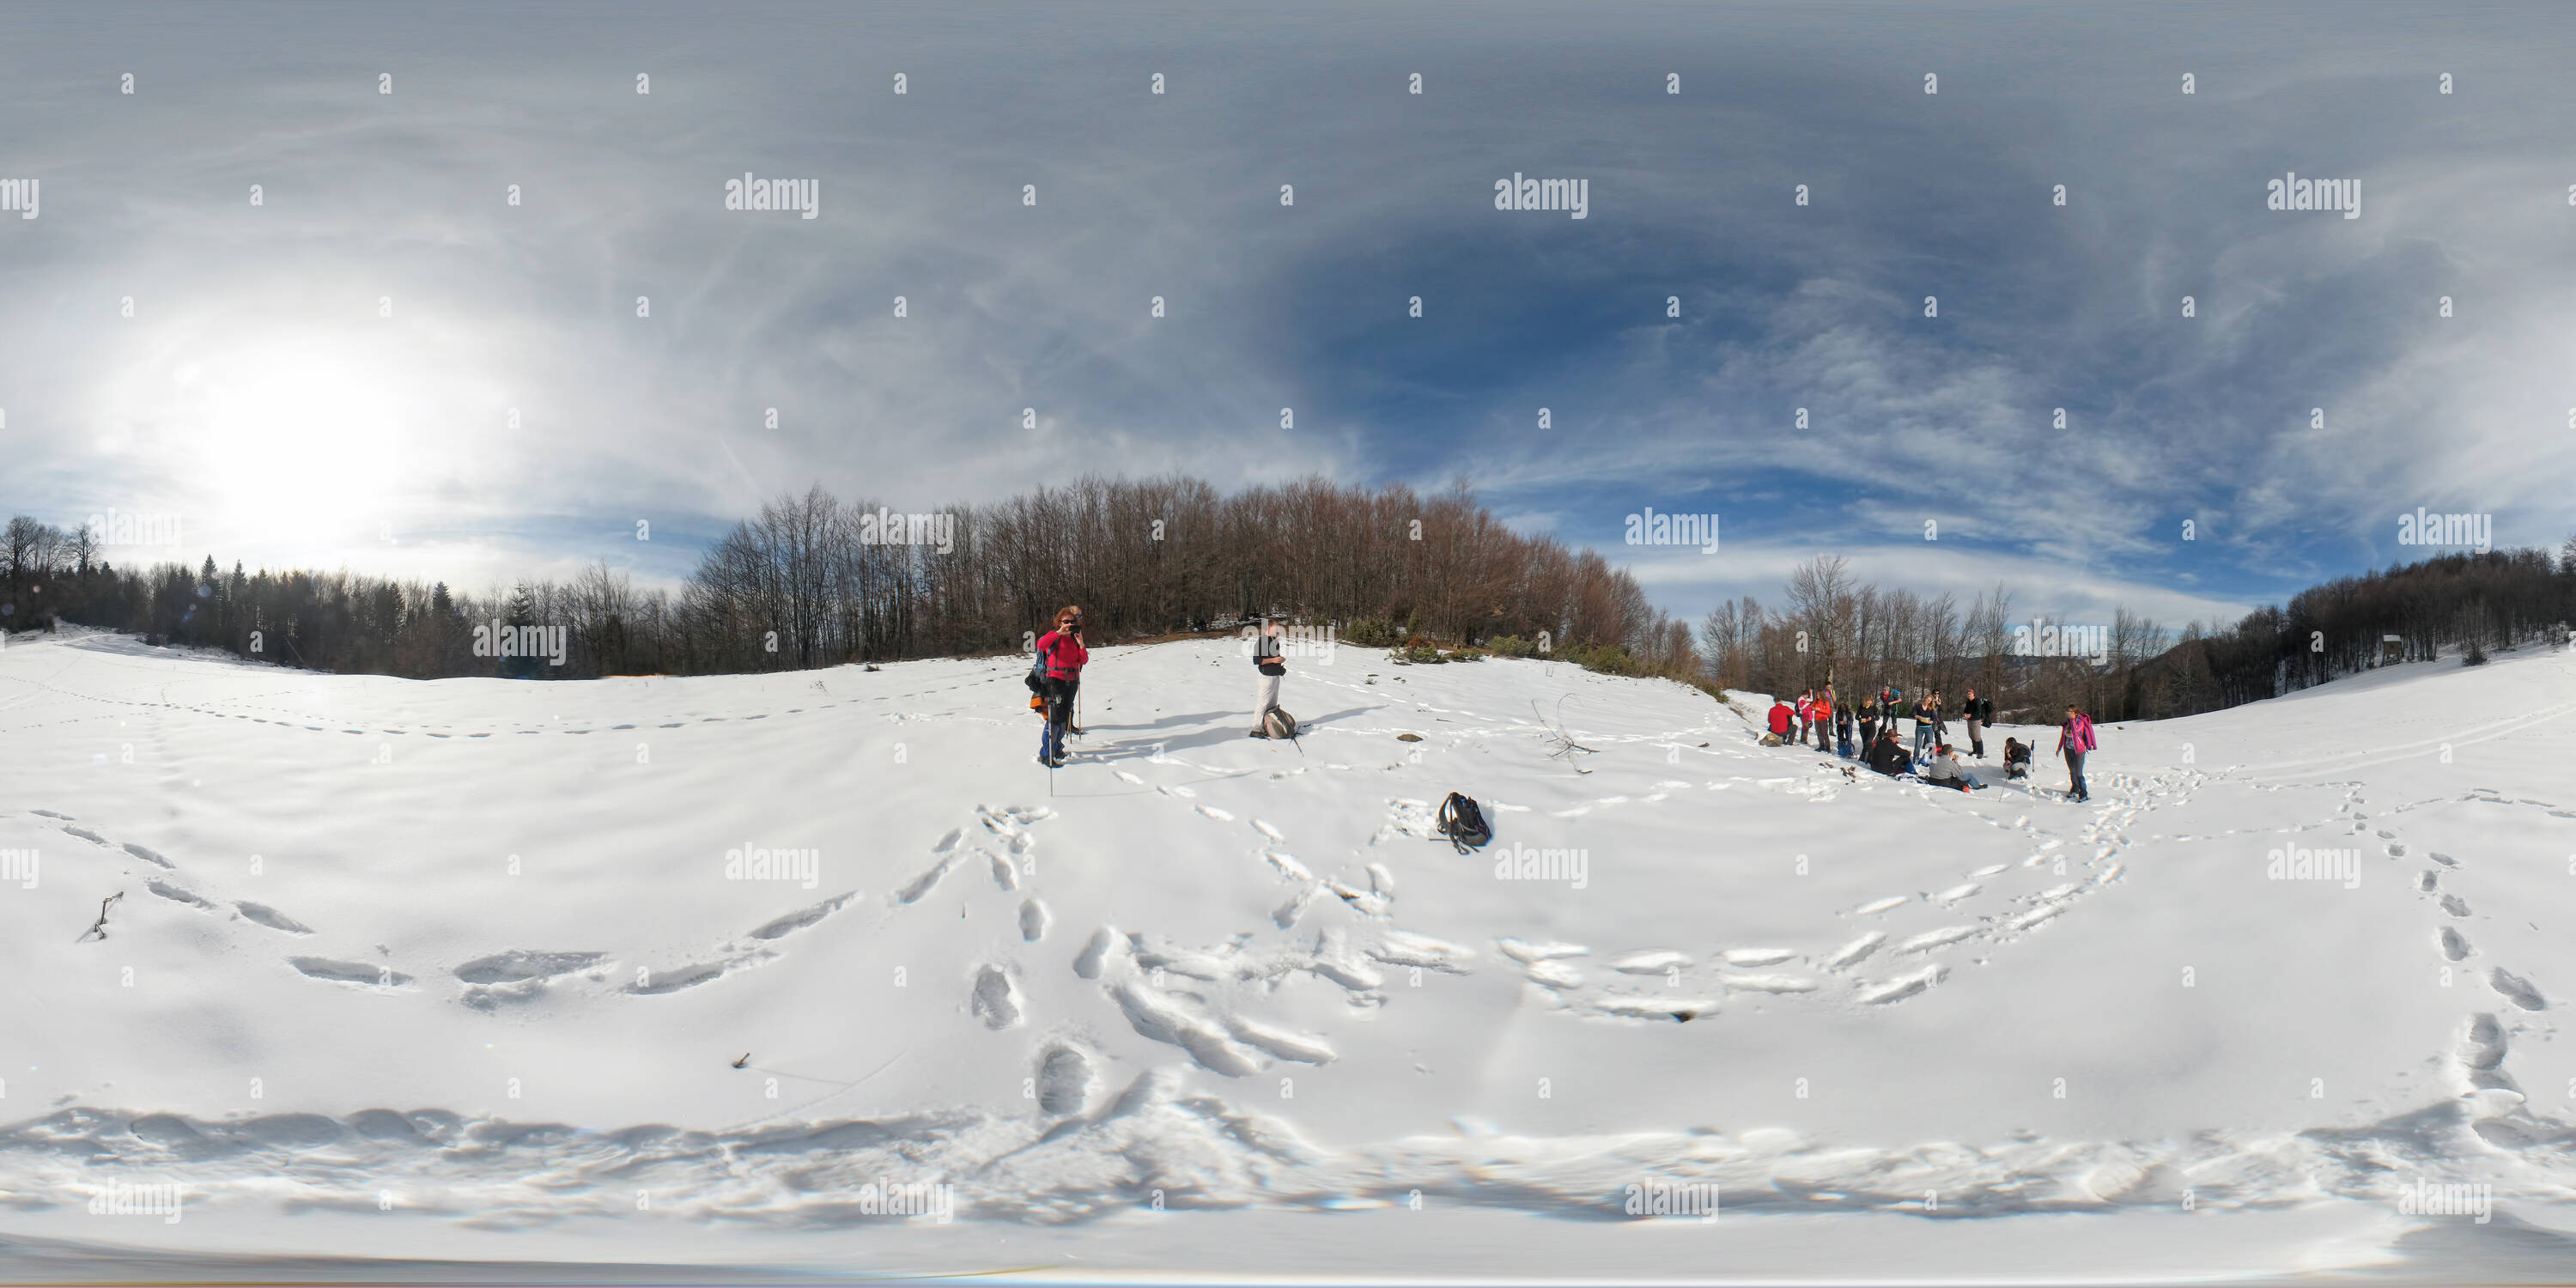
261,391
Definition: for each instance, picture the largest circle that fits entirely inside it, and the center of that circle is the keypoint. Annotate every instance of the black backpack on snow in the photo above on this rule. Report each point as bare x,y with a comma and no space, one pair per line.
1463,823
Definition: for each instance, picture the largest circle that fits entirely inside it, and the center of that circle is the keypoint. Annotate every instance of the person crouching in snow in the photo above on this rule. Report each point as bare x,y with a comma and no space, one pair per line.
1944,771
1063,654
2016,758
1783,719
1267,659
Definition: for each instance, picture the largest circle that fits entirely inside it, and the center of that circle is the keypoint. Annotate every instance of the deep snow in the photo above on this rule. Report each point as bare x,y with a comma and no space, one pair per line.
404,967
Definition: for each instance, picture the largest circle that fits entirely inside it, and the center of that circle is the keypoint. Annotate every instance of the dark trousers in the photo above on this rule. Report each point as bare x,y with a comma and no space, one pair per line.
1059,713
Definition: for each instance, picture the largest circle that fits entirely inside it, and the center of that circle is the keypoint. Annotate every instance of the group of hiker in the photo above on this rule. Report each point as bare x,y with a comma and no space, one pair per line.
1055,681
1868,727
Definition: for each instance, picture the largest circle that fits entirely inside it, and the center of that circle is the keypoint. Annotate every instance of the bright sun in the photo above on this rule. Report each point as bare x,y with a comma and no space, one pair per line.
298,434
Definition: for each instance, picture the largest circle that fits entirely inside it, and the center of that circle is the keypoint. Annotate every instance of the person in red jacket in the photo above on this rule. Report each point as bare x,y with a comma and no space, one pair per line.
2074,739
1061,652
1784,718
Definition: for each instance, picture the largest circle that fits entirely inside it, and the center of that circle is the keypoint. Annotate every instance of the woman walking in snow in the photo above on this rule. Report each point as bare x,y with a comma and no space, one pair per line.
1061,652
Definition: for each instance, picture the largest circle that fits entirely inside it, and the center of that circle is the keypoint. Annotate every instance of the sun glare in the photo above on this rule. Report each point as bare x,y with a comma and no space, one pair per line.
308,434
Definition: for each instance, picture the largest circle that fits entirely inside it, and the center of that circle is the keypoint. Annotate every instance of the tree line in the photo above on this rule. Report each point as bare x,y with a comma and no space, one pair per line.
1832,630
814,581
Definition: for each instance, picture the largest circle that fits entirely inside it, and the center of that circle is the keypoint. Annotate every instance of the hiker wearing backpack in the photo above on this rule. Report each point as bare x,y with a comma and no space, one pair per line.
1980,712
1271,664
1061,652
2074,740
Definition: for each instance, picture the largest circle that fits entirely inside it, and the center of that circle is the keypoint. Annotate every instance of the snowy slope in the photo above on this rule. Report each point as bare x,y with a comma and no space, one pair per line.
488,971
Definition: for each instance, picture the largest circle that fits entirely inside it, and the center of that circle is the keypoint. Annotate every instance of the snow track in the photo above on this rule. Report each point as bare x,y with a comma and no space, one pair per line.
748,943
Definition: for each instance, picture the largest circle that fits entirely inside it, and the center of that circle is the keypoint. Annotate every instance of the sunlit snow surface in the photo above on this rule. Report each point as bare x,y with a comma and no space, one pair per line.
456,969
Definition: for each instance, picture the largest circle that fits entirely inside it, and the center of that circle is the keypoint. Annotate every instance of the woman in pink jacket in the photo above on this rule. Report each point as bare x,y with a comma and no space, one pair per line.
2074,738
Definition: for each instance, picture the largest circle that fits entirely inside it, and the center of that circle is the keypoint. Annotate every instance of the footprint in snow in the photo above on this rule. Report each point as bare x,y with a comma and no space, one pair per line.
176,894
1757,956
271,918
1857,949
799,920
923,884
1213,812
2517,990
1876,906
1064,1080
996,1002
350,972
1033,921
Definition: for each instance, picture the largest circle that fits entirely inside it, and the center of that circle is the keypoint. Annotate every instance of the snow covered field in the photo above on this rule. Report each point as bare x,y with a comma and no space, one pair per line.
458,969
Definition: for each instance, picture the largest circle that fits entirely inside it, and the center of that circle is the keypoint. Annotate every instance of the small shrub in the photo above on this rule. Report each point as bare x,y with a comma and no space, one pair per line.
1373,632
1608,659
1511,646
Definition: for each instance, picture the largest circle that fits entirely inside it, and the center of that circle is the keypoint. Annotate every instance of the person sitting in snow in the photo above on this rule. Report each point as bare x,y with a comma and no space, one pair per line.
1944,771
1783,718
1887,756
